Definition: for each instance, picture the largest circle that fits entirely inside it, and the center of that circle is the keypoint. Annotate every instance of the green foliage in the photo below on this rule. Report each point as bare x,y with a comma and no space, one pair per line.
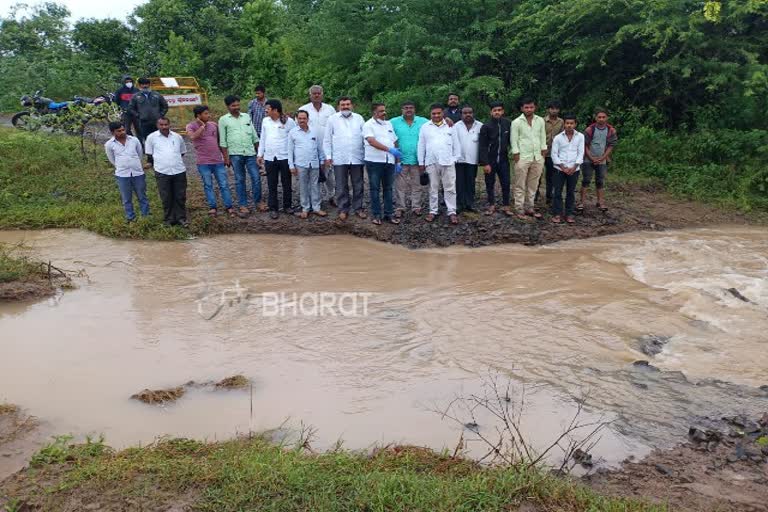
104,40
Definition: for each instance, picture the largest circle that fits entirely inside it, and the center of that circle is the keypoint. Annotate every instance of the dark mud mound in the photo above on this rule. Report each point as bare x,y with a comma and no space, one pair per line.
159,396
163,396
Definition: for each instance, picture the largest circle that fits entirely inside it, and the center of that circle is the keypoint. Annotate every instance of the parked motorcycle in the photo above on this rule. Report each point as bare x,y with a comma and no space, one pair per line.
37,105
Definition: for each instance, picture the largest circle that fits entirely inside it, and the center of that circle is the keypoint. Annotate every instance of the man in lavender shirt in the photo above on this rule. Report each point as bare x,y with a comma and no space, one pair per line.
204,134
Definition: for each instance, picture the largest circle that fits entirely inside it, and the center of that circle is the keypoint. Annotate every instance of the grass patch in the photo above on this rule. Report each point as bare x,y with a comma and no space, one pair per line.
47,182
254,474
16,266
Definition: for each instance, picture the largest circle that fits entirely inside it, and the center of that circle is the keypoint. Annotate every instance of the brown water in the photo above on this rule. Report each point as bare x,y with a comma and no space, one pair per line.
560,320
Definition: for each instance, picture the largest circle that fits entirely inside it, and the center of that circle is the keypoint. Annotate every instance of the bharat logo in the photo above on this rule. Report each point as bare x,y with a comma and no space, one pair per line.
284,304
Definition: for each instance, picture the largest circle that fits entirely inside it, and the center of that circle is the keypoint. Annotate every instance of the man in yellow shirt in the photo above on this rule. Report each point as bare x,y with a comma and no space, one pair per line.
528,140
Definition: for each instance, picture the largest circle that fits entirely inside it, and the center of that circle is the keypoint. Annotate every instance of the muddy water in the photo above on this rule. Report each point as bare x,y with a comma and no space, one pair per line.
560,321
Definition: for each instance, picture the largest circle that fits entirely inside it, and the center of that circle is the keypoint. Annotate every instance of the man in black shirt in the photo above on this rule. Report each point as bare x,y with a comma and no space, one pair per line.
494,157
452,111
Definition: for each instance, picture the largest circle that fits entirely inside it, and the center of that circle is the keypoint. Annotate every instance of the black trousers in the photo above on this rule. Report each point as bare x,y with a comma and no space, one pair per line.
173,194
550,175
279,170
562,179
145,128
500,169
466,176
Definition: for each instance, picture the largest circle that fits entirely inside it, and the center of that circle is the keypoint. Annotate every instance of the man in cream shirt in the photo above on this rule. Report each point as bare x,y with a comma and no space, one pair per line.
343,147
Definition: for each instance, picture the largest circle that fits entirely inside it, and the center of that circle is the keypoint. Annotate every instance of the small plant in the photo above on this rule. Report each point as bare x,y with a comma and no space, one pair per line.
14,505
55,452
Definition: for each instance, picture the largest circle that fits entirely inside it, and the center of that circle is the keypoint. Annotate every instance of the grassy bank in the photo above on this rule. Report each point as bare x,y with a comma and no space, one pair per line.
22,277
15,266
46,181
253,474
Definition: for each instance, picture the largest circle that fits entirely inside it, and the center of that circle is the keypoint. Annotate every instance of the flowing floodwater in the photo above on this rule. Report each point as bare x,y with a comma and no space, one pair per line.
561,321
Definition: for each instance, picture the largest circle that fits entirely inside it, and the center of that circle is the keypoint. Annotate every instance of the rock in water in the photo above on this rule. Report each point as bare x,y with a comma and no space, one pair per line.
651,344
736,293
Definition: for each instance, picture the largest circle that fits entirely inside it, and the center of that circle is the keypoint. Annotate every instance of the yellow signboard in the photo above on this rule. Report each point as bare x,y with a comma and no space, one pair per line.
182,94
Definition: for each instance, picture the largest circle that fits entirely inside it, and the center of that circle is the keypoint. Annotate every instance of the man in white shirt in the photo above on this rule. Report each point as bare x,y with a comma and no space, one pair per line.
305,156
165,151
439,149
468,133
273,155
343,147
319,113
124,152
567,156
381,156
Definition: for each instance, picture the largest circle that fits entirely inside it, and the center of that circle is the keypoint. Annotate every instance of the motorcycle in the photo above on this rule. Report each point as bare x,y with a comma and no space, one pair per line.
37,105
107,98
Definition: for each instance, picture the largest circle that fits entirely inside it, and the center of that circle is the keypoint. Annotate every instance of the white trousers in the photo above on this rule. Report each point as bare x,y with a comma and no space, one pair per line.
444,175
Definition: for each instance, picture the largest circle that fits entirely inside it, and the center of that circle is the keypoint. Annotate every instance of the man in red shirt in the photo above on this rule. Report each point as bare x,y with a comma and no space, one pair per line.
204,134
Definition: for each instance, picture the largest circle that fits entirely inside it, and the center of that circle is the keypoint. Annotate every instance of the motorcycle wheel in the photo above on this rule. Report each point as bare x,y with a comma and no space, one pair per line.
20,119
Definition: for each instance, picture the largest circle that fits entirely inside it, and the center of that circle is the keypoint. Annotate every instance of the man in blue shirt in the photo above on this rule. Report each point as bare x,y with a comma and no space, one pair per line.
407,184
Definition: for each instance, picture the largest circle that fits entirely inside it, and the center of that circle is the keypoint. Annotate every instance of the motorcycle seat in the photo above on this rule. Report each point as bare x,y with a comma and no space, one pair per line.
57,104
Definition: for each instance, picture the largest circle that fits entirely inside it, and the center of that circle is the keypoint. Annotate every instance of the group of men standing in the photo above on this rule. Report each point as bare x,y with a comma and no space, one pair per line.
329,151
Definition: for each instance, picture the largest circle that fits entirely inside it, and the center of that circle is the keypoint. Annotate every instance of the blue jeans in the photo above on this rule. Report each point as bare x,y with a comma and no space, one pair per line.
219,171
240,164
381,176
129,185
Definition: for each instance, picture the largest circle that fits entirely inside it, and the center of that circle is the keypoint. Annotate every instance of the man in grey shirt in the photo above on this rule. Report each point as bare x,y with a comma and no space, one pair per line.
599,139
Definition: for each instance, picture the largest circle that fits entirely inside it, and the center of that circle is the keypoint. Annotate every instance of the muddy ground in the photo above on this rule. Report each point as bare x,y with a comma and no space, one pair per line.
723,467
20,436
632,208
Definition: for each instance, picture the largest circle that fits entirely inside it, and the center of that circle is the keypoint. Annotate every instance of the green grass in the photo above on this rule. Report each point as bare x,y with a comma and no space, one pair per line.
15,265
46,182
254,474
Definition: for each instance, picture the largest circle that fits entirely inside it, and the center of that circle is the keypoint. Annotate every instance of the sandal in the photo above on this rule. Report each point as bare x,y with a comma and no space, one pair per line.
602,208
244,212
430,217
579,208
302,215
570,220
361,214
394,220
537,215
376,221
490,211
213,212
556,219
231,212
417,212
454,219
343,216
399,214
321,213
521,216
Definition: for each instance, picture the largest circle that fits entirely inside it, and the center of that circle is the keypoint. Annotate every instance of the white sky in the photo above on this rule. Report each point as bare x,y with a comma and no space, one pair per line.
98,9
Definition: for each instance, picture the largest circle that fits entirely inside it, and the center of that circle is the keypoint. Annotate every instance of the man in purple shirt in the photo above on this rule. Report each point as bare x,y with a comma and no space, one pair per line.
204,134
